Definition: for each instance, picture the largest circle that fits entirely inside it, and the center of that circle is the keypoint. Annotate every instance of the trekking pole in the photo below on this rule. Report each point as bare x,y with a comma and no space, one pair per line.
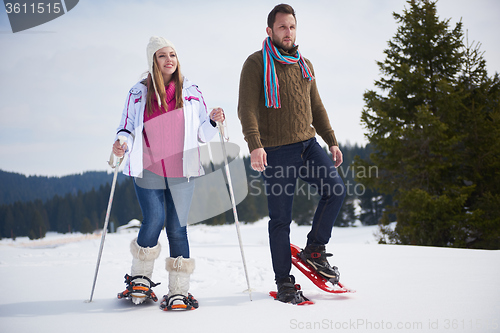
235,213
105,229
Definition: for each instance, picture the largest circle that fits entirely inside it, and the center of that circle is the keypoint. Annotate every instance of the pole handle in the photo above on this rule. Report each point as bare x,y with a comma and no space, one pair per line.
114,161
122,140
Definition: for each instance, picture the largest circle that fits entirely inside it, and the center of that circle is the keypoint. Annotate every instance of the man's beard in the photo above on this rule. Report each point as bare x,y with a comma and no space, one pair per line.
280,45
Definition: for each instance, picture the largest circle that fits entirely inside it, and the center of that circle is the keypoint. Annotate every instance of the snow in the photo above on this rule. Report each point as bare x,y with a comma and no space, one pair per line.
399,288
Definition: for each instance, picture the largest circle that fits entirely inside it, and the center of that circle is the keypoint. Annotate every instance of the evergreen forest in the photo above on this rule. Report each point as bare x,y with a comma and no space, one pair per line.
80,210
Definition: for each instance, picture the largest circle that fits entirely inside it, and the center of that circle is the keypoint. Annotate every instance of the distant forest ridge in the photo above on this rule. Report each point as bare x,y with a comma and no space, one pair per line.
16,187
78,203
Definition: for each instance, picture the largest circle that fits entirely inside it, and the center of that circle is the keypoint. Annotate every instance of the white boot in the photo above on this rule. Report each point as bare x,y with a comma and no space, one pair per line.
179,272
139,282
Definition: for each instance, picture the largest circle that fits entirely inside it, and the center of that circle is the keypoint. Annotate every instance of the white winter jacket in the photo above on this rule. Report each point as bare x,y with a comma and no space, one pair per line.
197,128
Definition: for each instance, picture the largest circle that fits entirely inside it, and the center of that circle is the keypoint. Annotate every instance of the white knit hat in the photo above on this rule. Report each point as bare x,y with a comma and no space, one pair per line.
156,43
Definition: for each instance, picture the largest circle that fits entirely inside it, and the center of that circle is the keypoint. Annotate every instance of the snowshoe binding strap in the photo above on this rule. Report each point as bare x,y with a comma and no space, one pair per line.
129,279
136,289
293,296
299,298
179,302
336,278
315,257
289,292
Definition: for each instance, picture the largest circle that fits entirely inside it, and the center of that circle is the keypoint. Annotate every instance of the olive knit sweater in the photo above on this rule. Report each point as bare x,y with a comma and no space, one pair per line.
301,114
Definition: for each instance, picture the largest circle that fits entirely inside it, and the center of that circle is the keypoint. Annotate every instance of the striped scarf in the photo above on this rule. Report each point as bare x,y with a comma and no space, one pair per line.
271,85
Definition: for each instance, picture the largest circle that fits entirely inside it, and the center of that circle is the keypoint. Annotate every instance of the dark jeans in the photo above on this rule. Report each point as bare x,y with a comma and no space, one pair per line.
168,206
308,161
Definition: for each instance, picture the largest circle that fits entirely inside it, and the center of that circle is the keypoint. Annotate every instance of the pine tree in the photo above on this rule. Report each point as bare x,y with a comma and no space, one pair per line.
87,227
372,206
415,132
480,125
8,224
347,215
37,226
64,215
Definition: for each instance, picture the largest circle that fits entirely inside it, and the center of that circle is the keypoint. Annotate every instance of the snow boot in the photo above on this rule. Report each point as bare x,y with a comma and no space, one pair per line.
179,272
139,282
315,256
289,292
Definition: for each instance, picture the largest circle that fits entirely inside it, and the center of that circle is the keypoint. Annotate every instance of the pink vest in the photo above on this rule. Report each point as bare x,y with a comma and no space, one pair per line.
163,137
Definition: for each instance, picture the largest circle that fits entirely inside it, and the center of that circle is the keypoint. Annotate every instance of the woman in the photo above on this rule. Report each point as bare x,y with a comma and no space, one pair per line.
164,119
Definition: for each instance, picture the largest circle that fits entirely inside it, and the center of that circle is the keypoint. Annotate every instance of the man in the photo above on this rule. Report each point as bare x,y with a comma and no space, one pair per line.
280,111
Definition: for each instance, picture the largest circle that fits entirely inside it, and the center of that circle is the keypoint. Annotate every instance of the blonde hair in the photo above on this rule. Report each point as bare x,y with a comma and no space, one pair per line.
160,87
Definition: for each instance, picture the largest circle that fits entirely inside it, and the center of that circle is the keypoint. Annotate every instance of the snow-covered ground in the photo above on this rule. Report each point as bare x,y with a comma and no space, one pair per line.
45,284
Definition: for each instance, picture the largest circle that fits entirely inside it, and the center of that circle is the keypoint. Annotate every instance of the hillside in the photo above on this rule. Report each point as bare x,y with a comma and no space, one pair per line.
17,187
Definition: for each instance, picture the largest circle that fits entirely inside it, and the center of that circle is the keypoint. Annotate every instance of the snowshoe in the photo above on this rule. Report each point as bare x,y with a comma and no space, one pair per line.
319,280
316,256
289,292
179,302
138,289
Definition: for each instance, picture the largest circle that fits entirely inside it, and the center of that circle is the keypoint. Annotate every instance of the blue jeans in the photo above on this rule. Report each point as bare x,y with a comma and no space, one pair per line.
158,207
310,162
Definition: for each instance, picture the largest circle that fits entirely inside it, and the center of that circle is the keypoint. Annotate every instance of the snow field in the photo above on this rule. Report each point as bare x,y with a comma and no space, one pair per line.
399,288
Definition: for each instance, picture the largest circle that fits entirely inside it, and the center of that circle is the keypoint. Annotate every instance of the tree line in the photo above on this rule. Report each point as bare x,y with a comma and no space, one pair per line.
17,187
85,211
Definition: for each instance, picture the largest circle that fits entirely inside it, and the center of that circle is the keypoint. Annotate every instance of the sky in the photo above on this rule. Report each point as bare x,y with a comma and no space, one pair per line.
63,84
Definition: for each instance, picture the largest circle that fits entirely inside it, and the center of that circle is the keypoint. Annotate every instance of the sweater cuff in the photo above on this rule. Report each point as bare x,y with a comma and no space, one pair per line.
254,143
330,139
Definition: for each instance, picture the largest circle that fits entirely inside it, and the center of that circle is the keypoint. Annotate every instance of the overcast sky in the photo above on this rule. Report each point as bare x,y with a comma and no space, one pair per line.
63,84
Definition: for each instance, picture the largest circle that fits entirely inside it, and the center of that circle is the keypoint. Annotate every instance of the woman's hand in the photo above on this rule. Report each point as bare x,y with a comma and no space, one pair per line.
119,150
217,115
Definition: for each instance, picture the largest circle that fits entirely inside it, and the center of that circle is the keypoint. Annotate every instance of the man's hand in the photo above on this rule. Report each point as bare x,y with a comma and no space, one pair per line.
258,159
336,155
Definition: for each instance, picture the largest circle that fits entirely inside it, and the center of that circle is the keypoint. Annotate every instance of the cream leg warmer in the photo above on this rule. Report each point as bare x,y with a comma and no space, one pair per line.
179,272
143,259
